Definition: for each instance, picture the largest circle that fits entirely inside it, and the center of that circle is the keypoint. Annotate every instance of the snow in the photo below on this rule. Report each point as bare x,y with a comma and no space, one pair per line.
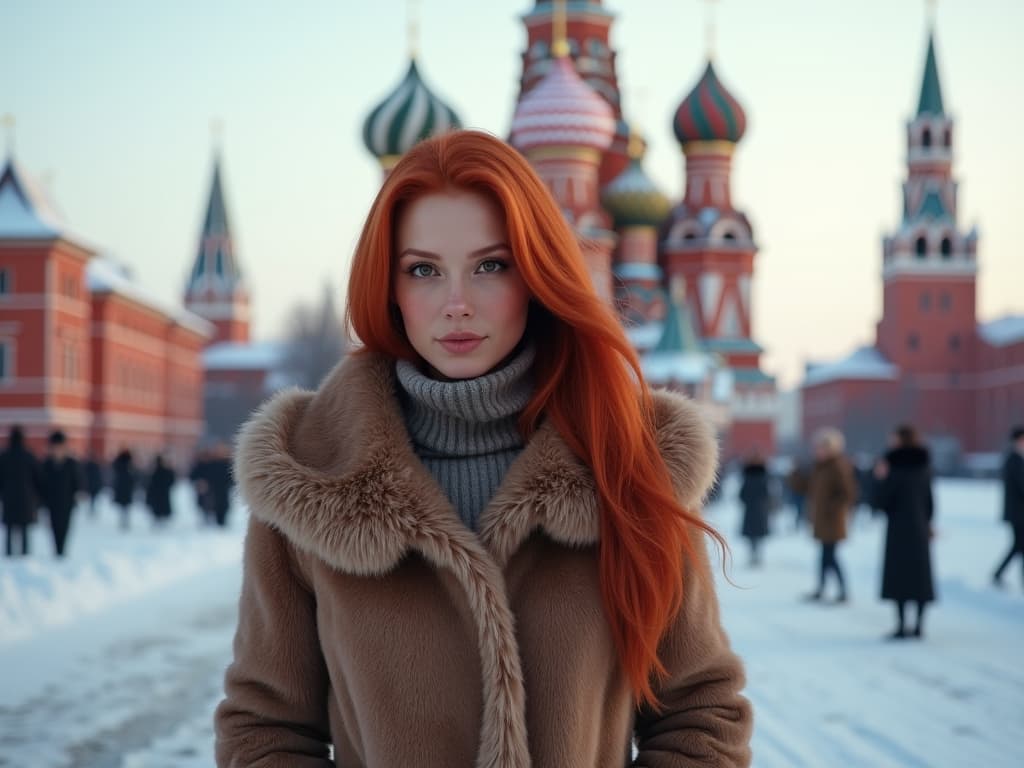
116,656
865,363
26,211
1004,331
237,356
103,275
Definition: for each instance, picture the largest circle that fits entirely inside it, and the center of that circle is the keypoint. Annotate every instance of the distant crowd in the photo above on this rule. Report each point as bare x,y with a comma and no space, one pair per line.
52,488
825,491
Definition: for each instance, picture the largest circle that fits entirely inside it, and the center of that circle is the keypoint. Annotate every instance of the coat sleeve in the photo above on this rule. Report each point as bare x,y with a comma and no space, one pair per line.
275,708
704,720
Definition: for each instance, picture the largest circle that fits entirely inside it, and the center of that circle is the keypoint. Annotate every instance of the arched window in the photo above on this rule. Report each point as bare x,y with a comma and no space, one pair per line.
947,248
729,236
926,301
689,236
946,302
947,138
921,247
926,137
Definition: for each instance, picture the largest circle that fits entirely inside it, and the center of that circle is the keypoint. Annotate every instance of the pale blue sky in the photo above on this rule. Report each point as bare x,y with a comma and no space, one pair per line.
114,100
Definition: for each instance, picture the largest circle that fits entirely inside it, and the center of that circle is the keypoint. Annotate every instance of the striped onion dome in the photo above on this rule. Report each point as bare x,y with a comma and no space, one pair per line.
632,198
709,113
562,110
411,113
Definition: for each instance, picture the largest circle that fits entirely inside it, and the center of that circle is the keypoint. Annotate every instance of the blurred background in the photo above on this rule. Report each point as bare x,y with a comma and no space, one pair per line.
805,213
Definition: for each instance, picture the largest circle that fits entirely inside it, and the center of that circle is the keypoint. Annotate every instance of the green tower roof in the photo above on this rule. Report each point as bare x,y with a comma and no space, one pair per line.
930,102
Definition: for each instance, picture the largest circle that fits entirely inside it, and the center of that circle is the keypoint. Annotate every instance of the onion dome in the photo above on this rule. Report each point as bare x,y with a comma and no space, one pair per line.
632,198
411,113
709,113
562,110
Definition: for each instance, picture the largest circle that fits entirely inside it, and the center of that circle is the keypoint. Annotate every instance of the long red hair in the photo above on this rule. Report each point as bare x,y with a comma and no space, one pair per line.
588,378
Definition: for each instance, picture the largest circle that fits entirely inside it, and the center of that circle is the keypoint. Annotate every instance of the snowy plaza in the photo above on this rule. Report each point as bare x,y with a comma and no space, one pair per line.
114,657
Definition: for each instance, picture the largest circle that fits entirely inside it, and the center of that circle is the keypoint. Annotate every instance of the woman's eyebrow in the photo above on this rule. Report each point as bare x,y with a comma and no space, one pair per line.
486,250
491,249
419,254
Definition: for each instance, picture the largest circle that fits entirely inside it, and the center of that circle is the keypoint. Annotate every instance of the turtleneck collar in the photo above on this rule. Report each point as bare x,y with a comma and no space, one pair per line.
468,417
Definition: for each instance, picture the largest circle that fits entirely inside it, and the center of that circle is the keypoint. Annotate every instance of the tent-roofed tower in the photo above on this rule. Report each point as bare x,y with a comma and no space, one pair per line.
216,289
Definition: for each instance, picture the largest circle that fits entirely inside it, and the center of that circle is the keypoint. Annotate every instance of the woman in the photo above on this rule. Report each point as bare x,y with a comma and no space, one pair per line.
21,486
904,493
477,543
124,482
756,496
832,489
158,490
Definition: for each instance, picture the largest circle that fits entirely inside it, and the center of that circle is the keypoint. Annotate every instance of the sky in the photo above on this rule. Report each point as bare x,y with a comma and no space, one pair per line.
114,101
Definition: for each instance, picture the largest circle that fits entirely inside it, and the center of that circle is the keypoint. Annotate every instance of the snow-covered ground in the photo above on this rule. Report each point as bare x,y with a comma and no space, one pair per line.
114,657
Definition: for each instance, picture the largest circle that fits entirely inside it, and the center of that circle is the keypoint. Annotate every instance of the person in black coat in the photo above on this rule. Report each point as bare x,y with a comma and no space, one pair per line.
1013,501
124,483
755,494
62,481
158,490
219,482
93,481
21,484
200,483
904,494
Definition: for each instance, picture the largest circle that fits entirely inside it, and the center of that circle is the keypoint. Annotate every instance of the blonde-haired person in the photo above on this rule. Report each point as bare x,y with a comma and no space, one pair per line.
832,489
479,543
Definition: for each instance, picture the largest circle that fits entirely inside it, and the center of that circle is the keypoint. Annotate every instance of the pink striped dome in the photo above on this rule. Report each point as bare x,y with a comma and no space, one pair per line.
562,110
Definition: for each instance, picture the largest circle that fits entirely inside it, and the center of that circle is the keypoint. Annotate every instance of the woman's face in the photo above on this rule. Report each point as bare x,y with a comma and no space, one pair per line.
462,300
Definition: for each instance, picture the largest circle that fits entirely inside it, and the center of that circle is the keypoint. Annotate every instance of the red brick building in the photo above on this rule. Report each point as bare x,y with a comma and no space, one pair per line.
932,364
82,347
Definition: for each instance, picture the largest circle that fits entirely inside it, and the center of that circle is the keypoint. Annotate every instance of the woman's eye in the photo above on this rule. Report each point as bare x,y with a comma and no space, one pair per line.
491,266
421,270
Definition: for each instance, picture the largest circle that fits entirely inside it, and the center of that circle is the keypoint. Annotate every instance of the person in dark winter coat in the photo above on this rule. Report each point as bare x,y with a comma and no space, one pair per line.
20,488
755,494
158,490
903,491
1013,501
797,482
200,483
93,473
62,482
124,483
219,482
832,490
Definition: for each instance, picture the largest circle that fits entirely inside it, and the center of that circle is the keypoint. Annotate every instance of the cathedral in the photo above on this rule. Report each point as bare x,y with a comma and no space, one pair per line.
678,272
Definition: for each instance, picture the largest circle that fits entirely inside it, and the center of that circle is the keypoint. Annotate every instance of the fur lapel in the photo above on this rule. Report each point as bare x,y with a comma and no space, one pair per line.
335,472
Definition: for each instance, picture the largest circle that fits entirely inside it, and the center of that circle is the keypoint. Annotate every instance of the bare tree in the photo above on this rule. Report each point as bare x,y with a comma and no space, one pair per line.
315,341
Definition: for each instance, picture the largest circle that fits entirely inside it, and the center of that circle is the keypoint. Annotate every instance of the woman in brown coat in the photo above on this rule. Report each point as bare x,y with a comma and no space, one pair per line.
478,543
832,489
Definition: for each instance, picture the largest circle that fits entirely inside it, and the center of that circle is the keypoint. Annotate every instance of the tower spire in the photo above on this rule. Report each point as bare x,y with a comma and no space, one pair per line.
931,90
709,27
559,43
414,28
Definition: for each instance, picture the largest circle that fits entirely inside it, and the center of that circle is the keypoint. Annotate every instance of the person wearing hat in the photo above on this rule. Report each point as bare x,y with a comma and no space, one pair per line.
21,481
1013,501
62,482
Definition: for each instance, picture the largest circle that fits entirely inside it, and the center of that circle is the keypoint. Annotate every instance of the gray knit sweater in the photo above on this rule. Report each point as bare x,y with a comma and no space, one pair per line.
465,431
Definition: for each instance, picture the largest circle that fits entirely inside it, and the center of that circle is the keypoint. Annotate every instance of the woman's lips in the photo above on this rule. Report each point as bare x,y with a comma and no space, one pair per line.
461,346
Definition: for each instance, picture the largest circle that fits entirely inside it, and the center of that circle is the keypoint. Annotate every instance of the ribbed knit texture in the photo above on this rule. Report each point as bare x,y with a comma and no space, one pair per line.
465,431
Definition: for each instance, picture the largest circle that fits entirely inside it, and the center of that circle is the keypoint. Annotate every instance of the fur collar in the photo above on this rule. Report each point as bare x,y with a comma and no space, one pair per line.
335,472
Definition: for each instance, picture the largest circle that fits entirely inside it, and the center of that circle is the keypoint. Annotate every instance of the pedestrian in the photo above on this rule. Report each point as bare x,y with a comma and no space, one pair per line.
219,483
832,490
480,541
124,481
1013,501
756,497
200,484
93,480
903,491
21,485
62,482
797,482
158,490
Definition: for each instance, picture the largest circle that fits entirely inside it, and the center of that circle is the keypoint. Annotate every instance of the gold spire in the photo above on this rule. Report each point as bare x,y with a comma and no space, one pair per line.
636,147
414,28
8,121
559,43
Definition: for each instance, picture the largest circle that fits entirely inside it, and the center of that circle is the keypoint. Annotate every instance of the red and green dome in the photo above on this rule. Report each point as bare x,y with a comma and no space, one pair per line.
709,113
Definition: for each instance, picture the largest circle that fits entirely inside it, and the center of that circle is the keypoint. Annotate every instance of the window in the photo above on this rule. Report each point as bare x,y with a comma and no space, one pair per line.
926,301
921,247
946,302
954,342
5,282
4,364
947,248
926,137
947,138
913,342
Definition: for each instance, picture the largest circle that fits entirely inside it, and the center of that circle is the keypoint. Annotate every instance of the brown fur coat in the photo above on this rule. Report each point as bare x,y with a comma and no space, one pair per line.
373,620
